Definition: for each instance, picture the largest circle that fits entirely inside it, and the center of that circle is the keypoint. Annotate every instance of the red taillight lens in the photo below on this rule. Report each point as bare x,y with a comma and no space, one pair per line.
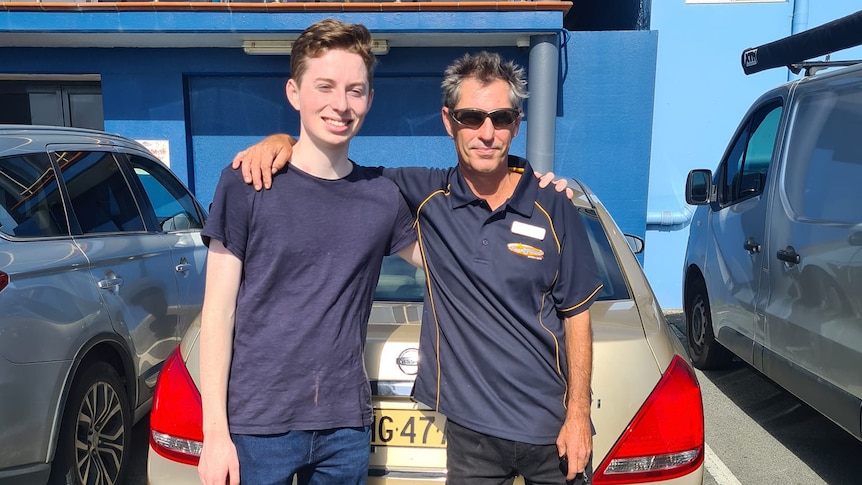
4,280
665,438
176,419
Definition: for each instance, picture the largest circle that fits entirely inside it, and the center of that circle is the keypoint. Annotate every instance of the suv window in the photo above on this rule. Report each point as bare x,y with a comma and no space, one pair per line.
824,164
747,164
172,203
101,198
30,204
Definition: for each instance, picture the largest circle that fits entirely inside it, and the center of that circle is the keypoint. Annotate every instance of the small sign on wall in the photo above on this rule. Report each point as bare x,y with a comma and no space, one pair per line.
159,148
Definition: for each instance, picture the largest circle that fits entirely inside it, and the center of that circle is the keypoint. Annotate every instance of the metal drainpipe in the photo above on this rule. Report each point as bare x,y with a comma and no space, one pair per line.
542,82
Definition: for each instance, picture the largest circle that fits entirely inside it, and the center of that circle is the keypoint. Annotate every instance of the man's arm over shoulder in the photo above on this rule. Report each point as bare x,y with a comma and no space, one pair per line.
259,162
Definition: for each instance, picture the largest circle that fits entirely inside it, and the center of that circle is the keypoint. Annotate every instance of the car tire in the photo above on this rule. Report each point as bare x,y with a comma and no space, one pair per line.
93,445
704,351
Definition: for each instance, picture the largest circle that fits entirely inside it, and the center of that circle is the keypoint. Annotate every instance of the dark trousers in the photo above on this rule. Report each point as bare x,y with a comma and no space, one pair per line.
476,459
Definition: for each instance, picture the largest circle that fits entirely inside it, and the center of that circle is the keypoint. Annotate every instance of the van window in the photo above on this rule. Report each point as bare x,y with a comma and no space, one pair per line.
747,164
824,165
30,204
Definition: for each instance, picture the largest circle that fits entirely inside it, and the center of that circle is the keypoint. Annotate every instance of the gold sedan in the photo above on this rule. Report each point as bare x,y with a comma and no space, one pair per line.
647,408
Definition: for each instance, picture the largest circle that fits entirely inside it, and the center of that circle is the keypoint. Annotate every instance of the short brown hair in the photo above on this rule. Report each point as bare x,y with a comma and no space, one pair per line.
326,35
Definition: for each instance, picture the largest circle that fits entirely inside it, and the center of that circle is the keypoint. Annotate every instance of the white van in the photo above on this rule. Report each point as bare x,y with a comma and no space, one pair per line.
773,267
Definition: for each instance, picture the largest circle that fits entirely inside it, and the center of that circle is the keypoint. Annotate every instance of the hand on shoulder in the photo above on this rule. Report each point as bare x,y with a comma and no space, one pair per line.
261,160
559,185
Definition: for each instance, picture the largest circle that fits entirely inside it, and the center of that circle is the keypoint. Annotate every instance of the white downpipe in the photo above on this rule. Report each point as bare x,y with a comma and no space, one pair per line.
669,220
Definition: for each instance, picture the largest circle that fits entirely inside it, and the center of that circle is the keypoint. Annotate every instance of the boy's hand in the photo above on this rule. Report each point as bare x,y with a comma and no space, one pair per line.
560,185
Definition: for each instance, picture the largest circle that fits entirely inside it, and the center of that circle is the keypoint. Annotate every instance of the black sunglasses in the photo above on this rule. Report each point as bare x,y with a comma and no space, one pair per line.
474,118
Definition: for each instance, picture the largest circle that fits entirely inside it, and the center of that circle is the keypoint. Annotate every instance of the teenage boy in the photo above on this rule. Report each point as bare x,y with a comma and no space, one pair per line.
290,282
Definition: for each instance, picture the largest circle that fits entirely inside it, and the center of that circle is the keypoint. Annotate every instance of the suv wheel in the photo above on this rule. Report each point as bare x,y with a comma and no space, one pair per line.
704,351
96,432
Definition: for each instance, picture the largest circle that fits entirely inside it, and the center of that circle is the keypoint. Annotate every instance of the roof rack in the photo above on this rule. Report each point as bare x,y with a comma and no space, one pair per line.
811,67
793,50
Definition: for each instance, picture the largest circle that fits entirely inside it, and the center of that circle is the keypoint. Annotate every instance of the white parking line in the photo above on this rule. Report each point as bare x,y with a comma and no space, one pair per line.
717,469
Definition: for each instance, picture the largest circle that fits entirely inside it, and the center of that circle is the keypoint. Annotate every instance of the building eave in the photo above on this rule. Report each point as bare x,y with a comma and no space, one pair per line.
229,24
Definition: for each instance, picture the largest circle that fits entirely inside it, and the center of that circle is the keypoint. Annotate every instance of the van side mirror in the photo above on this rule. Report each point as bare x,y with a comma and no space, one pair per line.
698,187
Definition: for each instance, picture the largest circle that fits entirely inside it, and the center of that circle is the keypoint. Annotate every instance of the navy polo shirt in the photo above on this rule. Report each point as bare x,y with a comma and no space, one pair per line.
492,346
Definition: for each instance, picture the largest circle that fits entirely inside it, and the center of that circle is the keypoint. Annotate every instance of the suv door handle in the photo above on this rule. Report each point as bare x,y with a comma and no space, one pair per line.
110,282
751,246
789,255
184,266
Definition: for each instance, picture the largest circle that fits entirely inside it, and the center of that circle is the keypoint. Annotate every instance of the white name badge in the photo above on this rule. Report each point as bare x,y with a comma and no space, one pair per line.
528,230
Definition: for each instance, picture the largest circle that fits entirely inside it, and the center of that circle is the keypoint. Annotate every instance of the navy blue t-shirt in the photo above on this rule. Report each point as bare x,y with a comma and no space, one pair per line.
492,349
311,251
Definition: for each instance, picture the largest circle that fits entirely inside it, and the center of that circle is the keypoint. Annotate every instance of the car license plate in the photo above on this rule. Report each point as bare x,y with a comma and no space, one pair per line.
408,427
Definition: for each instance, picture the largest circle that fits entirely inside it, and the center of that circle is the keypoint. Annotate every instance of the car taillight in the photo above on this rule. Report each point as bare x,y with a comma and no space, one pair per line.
176,419
665,438
4,280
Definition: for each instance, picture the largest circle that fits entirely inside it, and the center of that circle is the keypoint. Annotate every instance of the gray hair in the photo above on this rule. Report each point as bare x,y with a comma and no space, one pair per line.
486,67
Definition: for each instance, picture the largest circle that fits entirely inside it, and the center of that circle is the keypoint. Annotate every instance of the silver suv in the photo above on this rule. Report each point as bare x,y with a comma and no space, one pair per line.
101,273
773,268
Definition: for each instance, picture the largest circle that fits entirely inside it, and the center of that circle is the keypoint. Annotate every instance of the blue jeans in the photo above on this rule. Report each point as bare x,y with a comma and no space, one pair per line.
325,457
477,459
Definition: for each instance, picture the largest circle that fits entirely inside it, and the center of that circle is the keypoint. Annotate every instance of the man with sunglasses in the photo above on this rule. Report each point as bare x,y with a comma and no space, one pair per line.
506,341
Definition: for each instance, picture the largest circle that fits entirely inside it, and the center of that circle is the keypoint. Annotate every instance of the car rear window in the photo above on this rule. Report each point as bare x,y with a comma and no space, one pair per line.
613,284
30,204
401,282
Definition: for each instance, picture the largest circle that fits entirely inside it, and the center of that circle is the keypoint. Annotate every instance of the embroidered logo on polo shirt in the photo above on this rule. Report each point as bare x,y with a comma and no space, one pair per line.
529,230
527,251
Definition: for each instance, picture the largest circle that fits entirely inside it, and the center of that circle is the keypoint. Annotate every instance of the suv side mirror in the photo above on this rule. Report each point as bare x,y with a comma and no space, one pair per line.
636,243
698,187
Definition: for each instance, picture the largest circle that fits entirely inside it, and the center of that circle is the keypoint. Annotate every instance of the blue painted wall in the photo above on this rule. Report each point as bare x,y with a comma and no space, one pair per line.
605,122
701,95
211,103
